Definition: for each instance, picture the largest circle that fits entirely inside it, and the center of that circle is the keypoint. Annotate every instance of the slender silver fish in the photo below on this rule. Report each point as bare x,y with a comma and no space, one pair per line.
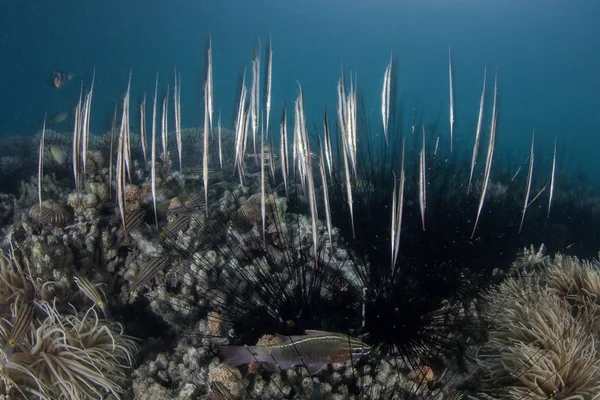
153,155
490,156
177,111
41,164
143,127
220,143
85,126
397,208
240,122
284,149
325,196
165,125
77,141
254,96
205,152
268,88
314,350
451,96
209,83
385,99
327,140
348,187
262,183
422,182
528,189
552,178
478,131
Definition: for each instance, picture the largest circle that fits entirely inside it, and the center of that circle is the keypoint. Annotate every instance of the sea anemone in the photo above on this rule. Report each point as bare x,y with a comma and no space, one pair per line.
541,343
59,354
66,356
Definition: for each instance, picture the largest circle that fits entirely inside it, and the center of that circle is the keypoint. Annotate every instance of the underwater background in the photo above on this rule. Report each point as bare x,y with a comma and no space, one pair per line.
389,255
547,54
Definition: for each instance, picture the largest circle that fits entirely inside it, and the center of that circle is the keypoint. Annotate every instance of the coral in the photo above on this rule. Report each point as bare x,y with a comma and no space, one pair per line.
81,202
94,163
101,190
133,200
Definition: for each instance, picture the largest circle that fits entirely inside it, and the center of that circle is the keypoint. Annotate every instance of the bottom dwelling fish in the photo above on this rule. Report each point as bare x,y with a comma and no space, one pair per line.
314,350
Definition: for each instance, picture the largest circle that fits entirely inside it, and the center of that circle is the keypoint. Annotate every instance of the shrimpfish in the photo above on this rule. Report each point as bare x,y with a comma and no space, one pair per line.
314,350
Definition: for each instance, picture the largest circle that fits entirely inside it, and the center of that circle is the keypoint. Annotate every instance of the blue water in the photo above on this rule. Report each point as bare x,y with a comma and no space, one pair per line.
547,54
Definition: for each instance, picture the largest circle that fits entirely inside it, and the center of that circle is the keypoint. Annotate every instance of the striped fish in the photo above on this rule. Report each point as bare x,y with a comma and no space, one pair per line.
133,219
49,214
314,350
187,203
218,391
148,271
91,291
177,224
20,327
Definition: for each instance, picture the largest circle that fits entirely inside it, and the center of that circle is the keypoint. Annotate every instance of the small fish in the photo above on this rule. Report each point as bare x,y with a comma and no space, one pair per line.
61,78
41,164
284,149
177,110
91,291
153,154
255,96
552,178
195,171
148,271
240,132
397,207
143,127
385,99
422,182
131,221
264,154
478,131
19,329
268,84
528,190
327,142
218,391
325,195
178,224
58,154
314,350
59,117
490,155
187,204
451,96
220,143
209,84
